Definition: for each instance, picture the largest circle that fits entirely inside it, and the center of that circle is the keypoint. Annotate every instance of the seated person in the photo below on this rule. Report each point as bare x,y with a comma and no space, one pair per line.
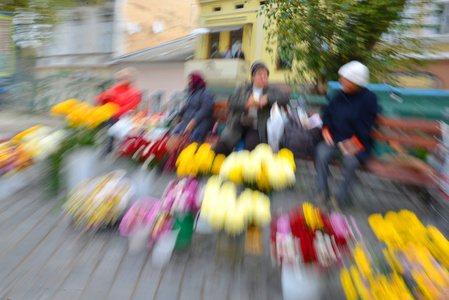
239,53
196,116
124,93
227,52
249,111
347,123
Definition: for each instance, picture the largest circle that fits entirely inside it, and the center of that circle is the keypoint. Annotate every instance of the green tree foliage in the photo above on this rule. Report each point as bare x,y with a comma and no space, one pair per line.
322,35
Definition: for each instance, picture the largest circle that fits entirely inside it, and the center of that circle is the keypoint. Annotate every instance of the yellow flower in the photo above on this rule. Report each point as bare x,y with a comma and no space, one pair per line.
348,286
65,107
218,161
17,138
288,155
262,181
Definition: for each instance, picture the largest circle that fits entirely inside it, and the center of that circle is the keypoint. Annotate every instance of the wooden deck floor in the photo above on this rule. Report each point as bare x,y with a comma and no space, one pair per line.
43,257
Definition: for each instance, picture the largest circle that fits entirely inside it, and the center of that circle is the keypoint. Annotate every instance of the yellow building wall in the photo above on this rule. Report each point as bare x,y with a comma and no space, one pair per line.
255,37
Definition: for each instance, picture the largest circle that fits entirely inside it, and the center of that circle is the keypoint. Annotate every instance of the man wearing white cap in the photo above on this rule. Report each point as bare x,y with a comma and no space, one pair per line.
347,123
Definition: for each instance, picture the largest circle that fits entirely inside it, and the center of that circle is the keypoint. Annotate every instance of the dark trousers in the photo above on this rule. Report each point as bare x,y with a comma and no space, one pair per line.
251,140
323,155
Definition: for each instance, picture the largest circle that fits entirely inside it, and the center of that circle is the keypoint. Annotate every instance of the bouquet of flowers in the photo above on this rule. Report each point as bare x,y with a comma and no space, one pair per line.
310,236
27,148
416,255
147,147
261,168
197,160
224,210
99,201
182,196
82,114
142,214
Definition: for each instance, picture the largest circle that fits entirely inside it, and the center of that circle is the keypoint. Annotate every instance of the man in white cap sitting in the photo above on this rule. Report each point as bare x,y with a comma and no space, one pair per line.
347,123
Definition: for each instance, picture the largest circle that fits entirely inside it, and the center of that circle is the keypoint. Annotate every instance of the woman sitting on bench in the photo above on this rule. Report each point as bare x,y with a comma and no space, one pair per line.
196,116
249,111
347,123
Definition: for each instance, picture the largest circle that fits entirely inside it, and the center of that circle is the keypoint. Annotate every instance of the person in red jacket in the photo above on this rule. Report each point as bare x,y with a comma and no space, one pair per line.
124,93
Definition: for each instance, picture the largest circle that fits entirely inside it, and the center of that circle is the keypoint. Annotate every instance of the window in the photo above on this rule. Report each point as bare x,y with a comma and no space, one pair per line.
236,40
239,6
442,13
263,2
214,41
217,8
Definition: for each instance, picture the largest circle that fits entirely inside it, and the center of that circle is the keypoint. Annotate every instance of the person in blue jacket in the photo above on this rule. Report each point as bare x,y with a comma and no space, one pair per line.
196,116
347,123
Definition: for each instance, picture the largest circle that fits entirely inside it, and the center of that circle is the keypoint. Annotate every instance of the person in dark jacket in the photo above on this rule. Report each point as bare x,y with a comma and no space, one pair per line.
239,53
249,111
196,116
347,123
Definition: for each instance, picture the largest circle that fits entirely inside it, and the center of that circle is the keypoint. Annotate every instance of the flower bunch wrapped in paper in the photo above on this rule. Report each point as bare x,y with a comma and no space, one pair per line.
197,160
98,201
136,124
13,159
224,210
39,141
415,266
28,147
147,147
82,114
182,196
142,214
260,168
310,236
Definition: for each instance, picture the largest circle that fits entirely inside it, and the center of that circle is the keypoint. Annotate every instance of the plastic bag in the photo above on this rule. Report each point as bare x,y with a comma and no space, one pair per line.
275,127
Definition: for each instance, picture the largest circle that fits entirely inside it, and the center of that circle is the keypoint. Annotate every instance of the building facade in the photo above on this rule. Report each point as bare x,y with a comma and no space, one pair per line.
232,23
238,22
99,40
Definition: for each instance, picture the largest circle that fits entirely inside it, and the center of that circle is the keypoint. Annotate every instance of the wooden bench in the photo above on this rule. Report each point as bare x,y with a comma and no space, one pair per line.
403,134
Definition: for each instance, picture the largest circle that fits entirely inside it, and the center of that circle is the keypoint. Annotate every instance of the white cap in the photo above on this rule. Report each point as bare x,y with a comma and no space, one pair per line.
355,72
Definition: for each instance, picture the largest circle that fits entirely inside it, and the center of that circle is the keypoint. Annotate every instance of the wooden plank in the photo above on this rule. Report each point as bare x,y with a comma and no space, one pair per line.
429,126
59,266
25,275
76,282
414,141
396,173
170,282
127,275
104,274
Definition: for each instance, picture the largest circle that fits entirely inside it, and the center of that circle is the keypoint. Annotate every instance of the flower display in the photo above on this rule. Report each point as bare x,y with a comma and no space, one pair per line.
416,255
307,235
260,168
28,147
196,160
141,214
224,210
13,159
82,114
99,201
146,147
182,196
